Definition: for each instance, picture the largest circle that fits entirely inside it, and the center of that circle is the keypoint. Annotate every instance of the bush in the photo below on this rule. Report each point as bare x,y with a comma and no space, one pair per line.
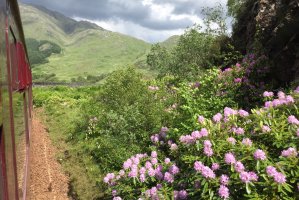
234,155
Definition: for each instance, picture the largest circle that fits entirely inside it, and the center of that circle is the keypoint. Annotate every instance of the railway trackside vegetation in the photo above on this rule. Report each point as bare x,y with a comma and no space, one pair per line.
215,123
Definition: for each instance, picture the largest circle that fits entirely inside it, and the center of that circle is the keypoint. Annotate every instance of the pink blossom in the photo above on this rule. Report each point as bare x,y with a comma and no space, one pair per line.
127,164
239,167
293,120
223,192
142,178
266,129
201,119
167,160
174,169
247,142
168,177
229,111
148,165
259,154
198,166
279,178
290,152
208,173
243,113
238,80
154,161
182,194
151,172
224,179
271,171
247,177
238,130
281,95
215,166
268,104
229,158
208,151
117,198
204,132
296,90
217,117
207,143
154,154
196,134
173,147
268,94
289,99
231,140
142,170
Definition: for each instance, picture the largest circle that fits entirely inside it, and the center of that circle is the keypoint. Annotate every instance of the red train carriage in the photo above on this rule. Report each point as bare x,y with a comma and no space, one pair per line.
15,104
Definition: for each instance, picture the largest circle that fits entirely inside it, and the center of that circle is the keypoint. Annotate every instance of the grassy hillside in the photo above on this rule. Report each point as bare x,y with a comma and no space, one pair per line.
87,49
170,42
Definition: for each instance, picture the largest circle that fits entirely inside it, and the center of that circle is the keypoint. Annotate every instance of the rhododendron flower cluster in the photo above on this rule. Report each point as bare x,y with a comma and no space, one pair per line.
222,155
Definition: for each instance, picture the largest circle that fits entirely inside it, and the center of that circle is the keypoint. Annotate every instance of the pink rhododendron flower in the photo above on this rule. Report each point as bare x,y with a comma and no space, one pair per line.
229,158
207,173
293,120
204,132
279,178
117,198
266,129
229,111
247,142
271,171
243,113
201,119
196,134
182,194
168,177
290,152
167,160
238,80
198,166
231,140
268,104
247,177
154,154
268,94
238,130
217,117
259,155
174,169
223,192
173,147
281,95
224,179
239,167
215,166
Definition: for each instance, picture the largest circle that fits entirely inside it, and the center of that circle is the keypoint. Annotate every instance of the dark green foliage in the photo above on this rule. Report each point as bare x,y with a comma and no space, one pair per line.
39,51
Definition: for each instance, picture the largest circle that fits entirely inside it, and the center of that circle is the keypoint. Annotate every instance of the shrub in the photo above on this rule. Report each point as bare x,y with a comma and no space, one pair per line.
231,156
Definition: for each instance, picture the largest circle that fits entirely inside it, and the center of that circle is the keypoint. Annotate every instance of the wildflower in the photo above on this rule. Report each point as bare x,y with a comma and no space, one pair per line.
289,99
167,160
293,120
281,95
268,104
208,173
277,102
208,151
229,158
154,161
164,129
215,166
229,111
259,155
201,119
127,164
217,117
238,80
243,113
174,169
114,193
224,179
239,167
247,142
151,172
266,129
183,194
290,152
142,170
296,90
198,166
142,178
268,94
155,138
231,140
204,132
207,143
168,177
247,177
279,178
238,130
154,154
173,147
196,134
271,171
223,192
148,165
134,172
117,198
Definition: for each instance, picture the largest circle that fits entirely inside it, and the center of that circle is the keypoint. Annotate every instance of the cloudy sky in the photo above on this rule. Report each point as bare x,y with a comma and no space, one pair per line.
149,20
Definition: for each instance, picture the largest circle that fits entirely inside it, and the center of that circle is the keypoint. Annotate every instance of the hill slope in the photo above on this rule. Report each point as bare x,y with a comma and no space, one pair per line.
87,49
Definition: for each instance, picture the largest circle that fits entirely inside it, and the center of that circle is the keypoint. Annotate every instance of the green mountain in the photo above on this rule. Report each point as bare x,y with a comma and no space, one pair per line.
170,42
64,49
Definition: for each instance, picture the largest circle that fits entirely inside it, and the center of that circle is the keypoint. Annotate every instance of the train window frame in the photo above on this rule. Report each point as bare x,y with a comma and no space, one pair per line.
14,69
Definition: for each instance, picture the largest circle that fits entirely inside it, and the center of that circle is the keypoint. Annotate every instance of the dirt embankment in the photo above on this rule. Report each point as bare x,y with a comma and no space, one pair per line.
47,180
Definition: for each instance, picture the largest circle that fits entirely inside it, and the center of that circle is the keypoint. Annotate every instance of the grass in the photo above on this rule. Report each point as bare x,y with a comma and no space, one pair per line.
61,109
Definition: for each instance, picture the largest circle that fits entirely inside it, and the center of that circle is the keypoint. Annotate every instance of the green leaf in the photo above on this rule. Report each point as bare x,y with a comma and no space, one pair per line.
248,190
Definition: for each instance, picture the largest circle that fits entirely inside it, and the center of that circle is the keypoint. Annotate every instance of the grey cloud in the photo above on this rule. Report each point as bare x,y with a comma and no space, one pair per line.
128,10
